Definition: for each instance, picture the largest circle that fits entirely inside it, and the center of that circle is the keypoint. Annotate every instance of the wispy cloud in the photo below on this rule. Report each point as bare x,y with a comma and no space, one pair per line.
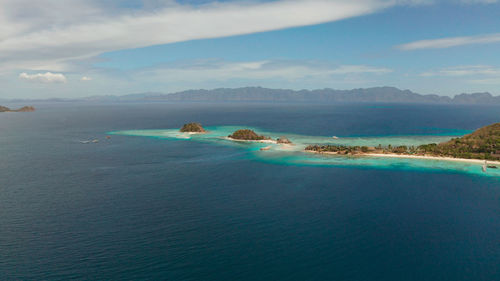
450,42
479,1
486,81
48,36
467,70
47,77
477,74
219,70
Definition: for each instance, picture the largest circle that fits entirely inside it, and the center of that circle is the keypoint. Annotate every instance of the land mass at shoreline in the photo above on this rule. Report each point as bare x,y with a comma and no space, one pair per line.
408,156
477,147
22,109
272,150
480,146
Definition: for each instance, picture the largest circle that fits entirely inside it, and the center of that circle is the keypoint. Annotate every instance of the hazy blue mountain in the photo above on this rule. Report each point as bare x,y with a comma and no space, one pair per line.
378,94
476,98
252,94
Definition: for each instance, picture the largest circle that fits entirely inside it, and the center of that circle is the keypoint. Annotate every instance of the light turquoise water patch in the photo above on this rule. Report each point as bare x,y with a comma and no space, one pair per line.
295,155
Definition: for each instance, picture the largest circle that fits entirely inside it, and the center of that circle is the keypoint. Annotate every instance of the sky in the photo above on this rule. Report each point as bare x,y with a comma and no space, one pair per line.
76,48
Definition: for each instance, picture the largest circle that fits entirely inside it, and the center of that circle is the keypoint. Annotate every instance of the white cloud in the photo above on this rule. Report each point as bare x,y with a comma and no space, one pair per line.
450,42
487,81
479,1
468,70
351,69
475,74
217,70
46,35
85,78
47,77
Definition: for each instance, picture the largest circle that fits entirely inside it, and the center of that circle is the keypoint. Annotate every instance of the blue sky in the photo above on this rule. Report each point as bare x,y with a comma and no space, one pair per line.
122,47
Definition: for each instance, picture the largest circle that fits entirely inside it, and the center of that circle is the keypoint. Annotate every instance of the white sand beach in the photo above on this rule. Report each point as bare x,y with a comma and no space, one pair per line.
261,141
425,157
475,161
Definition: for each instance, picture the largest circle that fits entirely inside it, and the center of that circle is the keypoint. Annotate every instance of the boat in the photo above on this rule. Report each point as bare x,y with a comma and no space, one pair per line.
335,137
484,166
89,141
265,148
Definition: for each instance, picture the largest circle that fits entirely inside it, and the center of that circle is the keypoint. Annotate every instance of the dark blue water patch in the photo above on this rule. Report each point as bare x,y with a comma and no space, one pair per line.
306,119
143,208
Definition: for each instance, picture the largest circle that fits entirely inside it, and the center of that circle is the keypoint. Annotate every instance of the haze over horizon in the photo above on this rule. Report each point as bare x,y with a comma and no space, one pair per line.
86,48
258,93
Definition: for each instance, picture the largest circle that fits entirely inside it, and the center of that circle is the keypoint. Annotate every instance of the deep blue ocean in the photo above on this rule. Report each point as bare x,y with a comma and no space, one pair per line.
139,208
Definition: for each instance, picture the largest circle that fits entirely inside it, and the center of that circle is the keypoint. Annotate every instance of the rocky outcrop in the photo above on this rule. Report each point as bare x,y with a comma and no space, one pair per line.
246,134
283,140
22,109
26,109
192,128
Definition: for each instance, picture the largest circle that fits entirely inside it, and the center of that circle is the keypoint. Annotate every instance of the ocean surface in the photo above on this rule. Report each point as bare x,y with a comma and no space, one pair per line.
147,204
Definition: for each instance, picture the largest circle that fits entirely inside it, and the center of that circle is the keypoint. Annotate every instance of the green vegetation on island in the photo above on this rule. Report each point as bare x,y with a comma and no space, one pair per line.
192,128
283,140
247,134
483,143
344,149
22,109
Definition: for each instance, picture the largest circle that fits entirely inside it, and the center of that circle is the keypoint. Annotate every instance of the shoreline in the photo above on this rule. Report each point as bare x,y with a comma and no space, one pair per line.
393,155
261,141
195,133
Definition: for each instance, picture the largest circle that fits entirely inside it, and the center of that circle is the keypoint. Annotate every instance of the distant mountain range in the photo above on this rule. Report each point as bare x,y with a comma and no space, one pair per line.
257,94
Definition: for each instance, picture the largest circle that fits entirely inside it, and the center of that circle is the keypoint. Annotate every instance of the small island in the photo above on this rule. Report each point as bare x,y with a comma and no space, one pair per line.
22,109
193,128
481,145
283,140
248,135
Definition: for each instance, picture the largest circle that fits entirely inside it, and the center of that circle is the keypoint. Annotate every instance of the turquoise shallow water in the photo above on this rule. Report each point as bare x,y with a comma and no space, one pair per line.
295,155
172,207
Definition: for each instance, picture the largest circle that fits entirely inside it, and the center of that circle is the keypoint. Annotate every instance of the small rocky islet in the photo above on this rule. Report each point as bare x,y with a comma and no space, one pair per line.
250,135
283,140
22,109
246,134
192,128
